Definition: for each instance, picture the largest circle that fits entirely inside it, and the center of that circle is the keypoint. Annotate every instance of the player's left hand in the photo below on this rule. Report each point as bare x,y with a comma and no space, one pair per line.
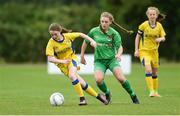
93,44
118,57
158,40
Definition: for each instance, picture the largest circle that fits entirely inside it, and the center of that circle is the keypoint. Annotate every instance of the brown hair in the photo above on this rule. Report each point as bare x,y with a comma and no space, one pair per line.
111,18
57,27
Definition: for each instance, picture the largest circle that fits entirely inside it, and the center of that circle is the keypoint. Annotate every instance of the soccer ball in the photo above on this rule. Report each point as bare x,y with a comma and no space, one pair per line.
56,99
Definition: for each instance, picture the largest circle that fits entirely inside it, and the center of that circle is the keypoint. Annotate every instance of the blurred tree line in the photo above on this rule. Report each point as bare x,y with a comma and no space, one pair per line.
24,24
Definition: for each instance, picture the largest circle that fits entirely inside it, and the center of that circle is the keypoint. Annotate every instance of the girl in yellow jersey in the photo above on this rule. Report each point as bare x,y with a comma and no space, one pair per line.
150,34
59,51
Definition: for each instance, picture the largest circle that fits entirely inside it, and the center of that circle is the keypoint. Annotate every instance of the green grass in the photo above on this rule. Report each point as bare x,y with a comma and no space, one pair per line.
25,89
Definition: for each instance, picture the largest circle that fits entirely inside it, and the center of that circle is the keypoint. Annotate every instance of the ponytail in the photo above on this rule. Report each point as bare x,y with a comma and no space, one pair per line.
64,30
122,28
111,18
161,17
57,27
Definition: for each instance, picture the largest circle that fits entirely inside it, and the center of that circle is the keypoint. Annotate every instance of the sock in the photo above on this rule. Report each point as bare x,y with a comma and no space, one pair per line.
90,90
78,88
155,83
126,85
149,82
103,88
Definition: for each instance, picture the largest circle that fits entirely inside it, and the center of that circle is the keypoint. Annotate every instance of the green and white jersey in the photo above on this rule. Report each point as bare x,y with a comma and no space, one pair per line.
107,43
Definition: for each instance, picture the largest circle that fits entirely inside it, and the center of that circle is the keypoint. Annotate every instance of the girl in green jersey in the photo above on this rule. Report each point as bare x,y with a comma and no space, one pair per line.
107,55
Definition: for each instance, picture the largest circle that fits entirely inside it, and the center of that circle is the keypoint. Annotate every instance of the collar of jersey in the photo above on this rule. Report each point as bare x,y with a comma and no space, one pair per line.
106,33
59,41
151,26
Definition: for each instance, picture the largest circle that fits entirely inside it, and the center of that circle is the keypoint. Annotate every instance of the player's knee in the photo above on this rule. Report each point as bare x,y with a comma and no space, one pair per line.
121,80
148,71
99,80
72,77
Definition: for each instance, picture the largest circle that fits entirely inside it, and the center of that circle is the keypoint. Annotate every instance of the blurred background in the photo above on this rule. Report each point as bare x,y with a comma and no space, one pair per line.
25,85
24,25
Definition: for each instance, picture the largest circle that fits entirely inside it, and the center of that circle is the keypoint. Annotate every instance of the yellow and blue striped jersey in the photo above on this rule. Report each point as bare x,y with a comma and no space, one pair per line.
149,34
63,49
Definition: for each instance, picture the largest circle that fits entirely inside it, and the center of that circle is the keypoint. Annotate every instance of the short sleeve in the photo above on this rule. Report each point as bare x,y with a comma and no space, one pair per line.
49,49
72,36
162,33
141,29
117,40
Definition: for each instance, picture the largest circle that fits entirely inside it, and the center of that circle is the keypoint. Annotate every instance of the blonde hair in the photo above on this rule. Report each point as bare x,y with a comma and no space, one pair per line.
152,8
160,16
108,15
57,27
111,18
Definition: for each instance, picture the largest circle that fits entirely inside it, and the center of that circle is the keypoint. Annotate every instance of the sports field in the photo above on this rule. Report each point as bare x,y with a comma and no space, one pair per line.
25,90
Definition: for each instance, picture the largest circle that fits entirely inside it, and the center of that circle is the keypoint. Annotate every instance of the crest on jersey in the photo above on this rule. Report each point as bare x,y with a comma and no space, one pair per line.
110,37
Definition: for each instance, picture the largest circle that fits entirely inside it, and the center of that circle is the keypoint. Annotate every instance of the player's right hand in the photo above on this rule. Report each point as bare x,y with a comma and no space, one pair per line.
83,61
136,53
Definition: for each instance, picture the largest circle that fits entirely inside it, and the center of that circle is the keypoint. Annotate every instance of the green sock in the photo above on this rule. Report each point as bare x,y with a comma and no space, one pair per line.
126,85
103,88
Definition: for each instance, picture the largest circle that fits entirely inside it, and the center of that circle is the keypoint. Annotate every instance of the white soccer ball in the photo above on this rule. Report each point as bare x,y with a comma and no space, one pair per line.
56,99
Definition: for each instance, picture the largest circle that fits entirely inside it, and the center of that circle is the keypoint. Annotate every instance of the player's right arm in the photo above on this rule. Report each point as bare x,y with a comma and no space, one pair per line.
137,39
84,46
83,49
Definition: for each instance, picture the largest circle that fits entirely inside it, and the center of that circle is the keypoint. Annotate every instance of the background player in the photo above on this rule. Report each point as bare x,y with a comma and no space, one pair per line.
150,34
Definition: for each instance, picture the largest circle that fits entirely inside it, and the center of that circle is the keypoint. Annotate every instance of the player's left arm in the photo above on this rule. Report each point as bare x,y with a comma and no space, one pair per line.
119,53
92,42
162,35
117,40
118,46
161,39
74,35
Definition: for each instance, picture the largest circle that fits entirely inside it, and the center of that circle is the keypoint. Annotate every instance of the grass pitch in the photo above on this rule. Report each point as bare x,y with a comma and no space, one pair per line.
25,90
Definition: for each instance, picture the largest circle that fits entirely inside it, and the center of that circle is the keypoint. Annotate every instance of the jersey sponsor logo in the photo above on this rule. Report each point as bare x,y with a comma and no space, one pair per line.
63,50
105,44
151,36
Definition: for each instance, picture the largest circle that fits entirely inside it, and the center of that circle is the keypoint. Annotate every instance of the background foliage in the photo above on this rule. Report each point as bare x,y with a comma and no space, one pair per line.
24,24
